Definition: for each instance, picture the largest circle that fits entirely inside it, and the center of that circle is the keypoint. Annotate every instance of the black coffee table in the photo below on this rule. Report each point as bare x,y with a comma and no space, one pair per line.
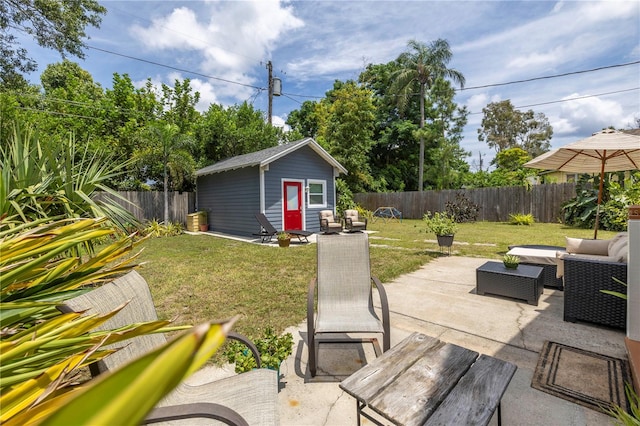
525,282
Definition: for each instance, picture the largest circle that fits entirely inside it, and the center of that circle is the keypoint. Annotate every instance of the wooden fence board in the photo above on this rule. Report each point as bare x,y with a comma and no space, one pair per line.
544,202
149,205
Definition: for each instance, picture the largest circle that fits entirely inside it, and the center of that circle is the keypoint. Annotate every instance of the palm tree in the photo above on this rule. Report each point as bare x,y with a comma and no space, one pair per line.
168,145
421,65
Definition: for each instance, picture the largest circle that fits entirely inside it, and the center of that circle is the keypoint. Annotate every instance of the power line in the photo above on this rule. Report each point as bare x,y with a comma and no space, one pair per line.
320,97
570,99
550,76
175,68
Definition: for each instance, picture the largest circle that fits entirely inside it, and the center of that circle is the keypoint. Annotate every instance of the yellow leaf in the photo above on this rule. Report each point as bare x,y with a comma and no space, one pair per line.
134,389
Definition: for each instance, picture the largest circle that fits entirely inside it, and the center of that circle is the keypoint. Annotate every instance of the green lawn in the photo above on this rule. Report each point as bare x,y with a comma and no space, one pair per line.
196,278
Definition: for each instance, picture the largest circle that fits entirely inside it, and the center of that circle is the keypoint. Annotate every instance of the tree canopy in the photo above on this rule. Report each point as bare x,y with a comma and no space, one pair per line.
54,24
419,68
505,127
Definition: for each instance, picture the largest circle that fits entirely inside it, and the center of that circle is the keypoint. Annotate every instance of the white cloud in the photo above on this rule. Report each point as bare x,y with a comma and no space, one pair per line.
230,39
207,92
537,59
588,115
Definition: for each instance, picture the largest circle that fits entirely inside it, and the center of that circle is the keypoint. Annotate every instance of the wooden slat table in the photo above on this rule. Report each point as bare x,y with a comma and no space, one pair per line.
423,380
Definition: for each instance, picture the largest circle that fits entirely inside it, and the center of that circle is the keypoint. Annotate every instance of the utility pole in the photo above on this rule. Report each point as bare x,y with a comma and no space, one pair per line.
275,89
270,70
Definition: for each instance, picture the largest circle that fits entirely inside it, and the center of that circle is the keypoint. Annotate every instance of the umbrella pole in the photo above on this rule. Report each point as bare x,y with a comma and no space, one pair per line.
600,189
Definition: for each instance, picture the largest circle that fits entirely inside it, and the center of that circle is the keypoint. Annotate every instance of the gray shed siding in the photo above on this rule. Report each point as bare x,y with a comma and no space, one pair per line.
231,200
302,164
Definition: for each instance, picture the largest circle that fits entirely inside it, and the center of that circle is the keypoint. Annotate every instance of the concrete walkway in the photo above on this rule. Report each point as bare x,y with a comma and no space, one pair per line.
439,300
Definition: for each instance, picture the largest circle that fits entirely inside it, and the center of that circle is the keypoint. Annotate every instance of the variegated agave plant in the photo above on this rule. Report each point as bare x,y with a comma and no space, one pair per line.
42,263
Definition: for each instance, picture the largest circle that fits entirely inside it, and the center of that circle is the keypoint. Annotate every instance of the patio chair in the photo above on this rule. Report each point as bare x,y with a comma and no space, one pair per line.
247,398
328,222
344,295
352,221
267,230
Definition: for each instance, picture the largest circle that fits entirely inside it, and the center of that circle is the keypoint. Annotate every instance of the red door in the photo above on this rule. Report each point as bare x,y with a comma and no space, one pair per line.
292,194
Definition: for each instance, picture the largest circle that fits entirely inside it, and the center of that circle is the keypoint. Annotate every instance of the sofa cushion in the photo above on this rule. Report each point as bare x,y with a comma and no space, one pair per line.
618,247
587,246
561,255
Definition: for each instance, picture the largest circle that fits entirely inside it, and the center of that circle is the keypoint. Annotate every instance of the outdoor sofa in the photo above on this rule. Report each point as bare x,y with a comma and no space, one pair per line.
590,266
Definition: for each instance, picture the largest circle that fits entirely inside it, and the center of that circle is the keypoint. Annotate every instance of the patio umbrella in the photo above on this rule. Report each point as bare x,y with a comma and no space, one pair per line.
606,151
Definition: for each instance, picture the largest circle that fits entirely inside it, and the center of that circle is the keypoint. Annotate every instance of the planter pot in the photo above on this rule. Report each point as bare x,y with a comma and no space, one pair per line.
284,243
445,240
204,227
511,266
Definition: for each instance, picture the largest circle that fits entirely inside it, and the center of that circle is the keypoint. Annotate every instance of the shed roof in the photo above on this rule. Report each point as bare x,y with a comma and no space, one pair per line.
266,156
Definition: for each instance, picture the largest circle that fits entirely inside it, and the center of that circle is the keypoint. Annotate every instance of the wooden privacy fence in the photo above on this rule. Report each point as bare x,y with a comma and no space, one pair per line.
148,205
544,202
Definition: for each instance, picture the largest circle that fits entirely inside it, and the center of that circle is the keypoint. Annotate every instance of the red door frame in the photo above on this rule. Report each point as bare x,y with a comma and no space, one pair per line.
293,218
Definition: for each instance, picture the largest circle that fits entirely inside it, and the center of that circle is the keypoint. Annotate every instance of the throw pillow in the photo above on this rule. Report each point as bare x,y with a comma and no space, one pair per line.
618,247
586,246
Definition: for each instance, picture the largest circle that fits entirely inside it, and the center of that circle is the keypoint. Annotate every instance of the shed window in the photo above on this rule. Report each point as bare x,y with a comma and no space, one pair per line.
317,196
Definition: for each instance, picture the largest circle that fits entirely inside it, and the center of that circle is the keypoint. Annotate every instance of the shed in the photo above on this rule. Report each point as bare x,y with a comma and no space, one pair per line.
289,183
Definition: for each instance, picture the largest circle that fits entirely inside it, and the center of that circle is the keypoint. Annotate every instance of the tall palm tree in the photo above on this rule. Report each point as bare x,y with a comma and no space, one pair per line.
421,65
168,144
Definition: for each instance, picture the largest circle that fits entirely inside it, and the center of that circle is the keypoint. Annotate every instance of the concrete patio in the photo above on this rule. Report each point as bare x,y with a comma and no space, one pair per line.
439,300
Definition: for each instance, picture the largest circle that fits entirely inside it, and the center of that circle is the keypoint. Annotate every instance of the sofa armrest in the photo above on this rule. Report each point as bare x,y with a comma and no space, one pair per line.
583,299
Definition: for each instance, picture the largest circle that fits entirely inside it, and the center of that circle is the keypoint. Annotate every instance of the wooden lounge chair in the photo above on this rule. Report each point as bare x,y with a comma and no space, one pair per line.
329,224
247,398
268,231
344,293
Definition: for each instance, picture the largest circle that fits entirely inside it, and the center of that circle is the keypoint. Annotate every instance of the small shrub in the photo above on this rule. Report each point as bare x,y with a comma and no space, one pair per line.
440,223
521,219
273,350
614,213
345,197
156,229
462,209
362,212
283,236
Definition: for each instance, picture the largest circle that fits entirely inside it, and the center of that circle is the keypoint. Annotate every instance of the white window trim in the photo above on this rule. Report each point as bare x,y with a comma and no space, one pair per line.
324,193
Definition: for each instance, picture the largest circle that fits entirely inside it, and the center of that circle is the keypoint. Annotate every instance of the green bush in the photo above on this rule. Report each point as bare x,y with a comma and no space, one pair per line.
463,209
440,223
581,210
156,229
345,197
44,179
273,350
614,213
521,219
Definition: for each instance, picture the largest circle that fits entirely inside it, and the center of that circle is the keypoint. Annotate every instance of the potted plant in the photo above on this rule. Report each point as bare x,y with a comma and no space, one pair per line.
284,239
511,261
273,350
203,224
443,225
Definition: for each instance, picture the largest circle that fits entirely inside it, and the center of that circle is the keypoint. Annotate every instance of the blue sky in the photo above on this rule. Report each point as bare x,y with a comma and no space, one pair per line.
313,43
